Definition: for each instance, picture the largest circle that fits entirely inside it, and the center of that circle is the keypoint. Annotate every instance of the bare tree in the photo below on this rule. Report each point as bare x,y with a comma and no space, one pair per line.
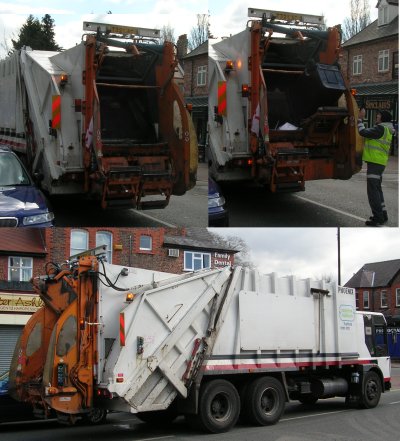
358,20
199,33
167,33
243,257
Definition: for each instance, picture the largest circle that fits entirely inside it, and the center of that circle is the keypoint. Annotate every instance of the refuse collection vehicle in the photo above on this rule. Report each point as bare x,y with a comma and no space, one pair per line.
210,345
105,118
280,111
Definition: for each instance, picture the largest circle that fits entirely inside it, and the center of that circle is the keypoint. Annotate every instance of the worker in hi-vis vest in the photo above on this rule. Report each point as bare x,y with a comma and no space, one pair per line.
377,144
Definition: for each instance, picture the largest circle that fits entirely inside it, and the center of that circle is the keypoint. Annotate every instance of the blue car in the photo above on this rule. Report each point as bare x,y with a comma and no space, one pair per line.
217,212
22,204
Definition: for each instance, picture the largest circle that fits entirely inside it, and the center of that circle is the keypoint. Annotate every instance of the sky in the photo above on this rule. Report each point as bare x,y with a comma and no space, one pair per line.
226,17
313,252
69,16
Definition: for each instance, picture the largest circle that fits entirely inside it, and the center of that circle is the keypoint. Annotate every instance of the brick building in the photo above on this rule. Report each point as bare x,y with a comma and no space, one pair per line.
370,62
377,288
25,252
195,65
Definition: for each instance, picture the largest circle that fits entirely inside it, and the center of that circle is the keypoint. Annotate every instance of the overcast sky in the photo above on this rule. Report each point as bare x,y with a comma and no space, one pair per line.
312,252
226,17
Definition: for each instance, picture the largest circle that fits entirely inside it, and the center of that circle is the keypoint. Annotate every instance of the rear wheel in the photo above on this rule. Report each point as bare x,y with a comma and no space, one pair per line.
371,391
219,406
265,401
95,416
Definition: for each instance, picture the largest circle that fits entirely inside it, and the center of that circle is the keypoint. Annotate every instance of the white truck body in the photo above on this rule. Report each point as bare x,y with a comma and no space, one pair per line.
266,324
33,79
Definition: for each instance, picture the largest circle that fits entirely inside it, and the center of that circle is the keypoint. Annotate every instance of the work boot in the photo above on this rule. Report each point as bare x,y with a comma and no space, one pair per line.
385,217
372,222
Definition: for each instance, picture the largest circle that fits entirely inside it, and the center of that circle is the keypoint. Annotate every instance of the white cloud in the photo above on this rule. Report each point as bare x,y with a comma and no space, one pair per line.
313,252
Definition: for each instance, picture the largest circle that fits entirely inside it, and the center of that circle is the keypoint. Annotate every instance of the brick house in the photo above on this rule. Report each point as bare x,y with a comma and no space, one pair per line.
370,62
377,288
24,253
195,65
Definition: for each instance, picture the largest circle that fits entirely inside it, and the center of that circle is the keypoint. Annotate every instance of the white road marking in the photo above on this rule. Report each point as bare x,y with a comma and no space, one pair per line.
331,208
395,402
314,415
155,219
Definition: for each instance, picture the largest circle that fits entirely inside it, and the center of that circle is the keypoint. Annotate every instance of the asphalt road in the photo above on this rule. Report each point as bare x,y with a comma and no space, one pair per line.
328,420
189,210
324,203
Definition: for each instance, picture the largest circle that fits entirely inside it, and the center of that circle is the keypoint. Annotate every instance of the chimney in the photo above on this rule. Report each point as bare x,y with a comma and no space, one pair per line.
182,46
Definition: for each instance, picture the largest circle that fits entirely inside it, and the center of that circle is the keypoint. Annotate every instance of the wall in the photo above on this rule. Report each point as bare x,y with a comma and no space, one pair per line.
370,52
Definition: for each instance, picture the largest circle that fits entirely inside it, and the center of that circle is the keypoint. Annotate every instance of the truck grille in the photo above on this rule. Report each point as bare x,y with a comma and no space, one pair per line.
8,222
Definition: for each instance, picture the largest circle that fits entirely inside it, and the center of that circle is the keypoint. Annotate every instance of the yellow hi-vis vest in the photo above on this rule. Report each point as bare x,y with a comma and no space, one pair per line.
377,150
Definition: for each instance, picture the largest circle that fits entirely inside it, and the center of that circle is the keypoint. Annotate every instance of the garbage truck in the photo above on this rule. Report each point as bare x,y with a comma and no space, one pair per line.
280,110
211,345
105,119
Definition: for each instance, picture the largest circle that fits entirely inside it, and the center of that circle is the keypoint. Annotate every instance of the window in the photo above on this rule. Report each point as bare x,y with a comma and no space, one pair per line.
196,261
145,243
202,75
357,302
105,238
366,299
384,302
357,65
79,241
397,297
383,15
383,61
395,64
20,269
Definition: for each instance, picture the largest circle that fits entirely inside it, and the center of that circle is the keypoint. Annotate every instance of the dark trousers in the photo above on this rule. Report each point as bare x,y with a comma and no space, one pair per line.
374,190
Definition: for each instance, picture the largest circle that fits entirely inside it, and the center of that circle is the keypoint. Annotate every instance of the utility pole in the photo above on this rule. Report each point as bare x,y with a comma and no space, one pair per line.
338,245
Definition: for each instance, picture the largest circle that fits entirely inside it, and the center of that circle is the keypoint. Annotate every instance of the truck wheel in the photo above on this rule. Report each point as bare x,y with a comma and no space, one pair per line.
219,406
95,416
265,401
308,399
371,391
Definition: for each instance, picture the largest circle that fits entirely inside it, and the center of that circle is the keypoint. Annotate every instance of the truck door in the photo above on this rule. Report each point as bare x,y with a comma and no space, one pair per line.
375,331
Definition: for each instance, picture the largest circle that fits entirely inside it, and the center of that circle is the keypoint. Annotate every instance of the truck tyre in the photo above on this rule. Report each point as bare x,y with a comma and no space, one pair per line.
371,391
95,417
219,406
265,401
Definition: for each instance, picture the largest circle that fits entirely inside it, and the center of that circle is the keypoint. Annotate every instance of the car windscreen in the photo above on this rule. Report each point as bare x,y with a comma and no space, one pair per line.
11,171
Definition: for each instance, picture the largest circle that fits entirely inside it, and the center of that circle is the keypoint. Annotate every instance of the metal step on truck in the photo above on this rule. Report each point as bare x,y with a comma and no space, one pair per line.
210,345
280,110
105,119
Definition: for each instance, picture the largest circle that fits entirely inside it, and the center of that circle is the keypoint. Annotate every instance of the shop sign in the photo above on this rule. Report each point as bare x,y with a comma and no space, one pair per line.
378,104
222,260
20,302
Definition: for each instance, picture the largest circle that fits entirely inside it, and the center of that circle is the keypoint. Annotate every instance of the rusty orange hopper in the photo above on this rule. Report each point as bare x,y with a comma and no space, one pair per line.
142,147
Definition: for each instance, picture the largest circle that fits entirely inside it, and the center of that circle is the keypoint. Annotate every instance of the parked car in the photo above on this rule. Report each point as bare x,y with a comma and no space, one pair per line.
22,204
217,212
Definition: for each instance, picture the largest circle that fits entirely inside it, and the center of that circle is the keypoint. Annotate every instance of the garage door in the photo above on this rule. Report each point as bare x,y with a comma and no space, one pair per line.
8,339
